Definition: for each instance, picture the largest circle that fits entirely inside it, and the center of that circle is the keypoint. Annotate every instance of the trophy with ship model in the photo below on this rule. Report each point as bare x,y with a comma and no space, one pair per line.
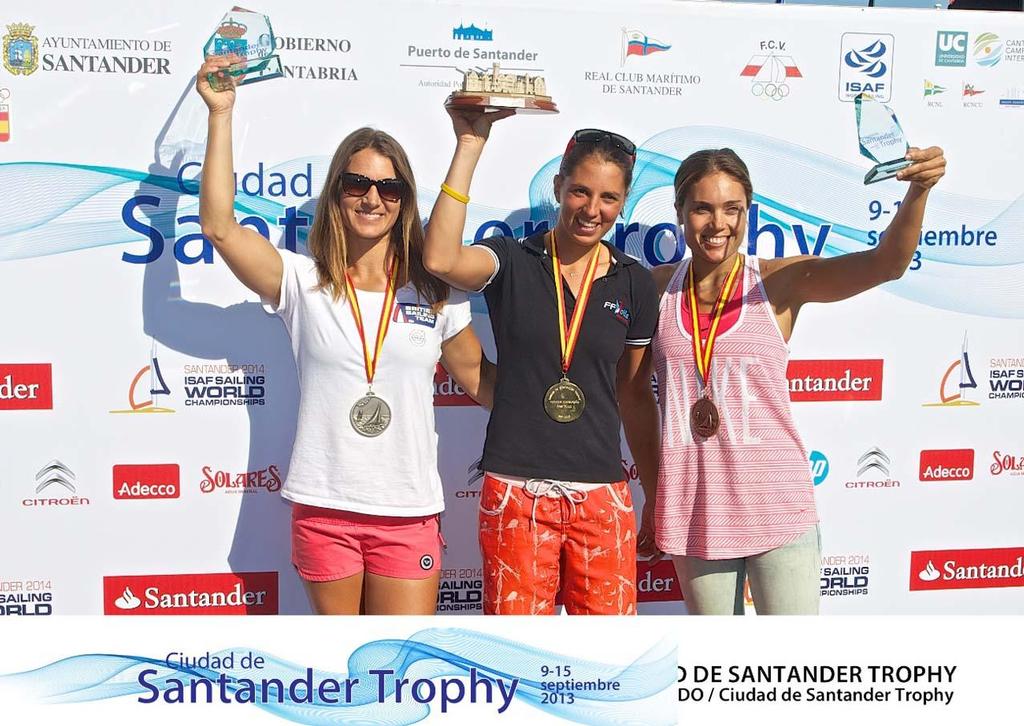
491,90
249,36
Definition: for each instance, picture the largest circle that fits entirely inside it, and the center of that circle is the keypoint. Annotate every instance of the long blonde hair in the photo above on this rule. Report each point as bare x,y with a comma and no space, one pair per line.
327,238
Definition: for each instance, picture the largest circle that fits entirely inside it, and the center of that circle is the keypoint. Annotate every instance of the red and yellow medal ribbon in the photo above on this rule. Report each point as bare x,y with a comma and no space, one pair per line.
569,332
702,350
370,361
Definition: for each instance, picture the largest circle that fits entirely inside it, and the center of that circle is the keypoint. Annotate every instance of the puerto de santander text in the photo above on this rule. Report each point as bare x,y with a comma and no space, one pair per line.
294,223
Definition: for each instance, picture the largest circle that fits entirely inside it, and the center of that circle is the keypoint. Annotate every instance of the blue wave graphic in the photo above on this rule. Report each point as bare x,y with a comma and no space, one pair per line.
53,208
644,695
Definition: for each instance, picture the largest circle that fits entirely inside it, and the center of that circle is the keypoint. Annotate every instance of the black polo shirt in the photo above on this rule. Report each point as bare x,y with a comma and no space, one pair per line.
623,310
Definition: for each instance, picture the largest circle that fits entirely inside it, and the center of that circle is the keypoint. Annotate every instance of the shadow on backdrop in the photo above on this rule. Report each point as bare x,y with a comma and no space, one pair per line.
240,334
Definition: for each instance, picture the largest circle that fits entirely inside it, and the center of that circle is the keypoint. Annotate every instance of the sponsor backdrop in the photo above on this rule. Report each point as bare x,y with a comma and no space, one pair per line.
147,403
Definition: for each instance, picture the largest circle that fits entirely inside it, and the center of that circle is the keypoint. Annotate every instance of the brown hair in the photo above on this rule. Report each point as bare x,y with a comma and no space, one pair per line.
699,164
327,238
605,151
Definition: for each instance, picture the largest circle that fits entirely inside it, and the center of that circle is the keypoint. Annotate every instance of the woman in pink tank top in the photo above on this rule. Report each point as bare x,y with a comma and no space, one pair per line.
735,497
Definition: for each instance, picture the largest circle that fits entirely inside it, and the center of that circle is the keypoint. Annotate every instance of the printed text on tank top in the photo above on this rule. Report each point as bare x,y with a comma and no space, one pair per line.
731,374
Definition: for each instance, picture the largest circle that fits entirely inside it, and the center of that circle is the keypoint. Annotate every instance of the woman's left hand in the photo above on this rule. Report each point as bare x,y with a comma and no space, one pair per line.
645,546
929,166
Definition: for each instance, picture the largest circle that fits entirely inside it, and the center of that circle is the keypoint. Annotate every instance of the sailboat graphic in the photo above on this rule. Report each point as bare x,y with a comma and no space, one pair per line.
156,385
374,418
958,396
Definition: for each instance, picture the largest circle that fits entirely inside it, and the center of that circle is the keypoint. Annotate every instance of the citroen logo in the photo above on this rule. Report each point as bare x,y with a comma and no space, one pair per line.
874,458
56,472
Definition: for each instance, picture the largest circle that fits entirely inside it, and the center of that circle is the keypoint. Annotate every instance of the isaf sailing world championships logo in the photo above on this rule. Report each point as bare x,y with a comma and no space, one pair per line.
21,49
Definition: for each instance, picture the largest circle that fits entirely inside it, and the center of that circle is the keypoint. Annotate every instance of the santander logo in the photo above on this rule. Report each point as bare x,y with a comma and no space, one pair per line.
962,569
447,392
25,386
835,380
228,593
657,582
127,601
929,573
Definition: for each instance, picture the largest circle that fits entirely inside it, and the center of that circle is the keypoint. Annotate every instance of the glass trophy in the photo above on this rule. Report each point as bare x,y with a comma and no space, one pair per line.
493,89
246,34
881,138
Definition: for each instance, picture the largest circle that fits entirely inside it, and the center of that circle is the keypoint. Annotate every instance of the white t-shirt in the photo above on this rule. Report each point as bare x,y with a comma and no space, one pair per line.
395,473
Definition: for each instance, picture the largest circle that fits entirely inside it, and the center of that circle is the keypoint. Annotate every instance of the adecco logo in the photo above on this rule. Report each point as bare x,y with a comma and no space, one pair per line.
835,380
447,392
26,386
229,593
960,569
946,465
147,481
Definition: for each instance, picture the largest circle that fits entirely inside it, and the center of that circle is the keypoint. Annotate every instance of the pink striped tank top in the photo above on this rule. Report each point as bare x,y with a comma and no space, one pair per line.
747,489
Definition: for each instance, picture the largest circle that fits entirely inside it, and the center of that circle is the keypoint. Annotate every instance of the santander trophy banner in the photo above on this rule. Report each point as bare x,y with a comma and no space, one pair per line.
148,403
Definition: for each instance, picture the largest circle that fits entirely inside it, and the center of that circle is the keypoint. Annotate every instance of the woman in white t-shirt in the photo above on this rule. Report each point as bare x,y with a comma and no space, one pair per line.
368,325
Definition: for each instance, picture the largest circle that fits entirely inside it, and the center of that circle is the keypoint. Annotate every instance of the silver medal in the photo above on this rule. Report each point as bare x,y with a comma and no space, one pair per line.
370,415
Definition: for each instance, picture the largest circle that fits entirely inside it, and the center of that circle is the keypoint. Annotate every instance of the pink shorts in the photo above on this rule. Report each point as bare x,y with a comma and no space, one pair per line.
331,544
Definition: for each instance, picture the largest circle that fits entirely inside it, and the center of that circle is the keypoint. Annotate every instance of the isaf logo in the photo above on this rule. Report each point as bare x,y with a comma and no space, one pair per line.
865,66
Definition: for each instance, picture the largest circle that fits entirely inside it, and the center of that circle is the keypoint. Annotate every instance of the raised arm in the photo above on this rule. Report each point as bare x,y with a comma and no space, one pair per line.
247,253
444,255
793,281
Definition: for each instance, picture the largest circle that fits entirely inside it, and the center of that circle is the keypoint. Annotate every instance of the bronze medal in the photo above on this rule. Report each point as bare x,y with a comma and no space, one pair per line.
370,415
704,417
564,401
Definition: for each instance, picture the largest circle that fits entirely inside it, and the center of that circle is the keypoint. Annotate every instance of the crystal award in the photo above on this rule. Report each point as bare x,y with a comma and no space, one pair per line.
881,138
248,35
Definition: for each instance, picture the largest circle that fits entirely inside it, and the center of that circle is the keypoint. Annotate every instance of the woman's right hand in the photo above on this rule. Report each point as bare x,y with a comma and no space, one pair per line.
217,101
473,127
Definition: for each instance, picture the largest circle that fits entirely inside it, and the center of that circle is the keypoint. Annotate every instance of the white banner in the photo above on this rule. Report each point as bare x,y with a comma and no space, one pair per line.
148,404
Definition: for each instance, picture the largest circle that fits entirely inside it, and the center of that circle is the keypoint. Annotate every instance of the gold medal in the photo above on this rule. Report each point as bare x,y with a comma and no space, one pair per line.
704,416
564,401
371,415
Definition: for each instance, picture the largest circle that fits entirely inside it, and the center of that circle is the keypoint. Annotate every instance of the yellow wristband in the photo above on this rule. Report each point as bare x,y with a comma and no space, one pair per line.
454,194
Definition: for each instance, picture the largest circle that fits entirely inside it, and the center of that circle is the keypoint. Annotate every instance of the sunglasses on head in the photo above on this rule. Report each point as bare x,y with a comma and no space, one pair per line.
357,185
596,136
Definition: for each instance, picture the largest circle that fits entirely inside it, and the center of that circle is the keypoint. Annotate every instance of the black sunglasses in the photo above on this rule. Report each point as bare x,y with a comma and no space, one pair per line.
357,185
596,136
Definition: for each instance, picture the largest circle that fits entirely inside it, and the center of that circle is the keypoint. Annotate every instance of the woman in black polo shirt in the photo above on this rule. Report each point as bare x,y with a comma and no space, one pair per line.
556,519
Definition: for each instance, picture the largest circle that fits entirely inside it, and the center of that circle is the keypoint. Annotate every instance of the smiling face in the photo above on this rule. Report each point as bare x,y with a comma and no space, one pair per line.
713,217
591,197
369,217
